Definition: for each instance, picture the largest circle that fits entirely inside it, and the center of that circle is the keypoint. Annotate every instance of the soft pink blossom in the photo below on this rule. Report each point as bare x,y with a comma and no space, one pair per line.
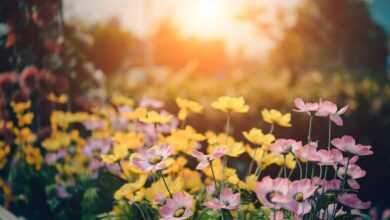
352,200
330,157
227,200
348,144
204,159
305,107
299,192
273,193
329,109
354,171
308,152
282,146
179,207
153,159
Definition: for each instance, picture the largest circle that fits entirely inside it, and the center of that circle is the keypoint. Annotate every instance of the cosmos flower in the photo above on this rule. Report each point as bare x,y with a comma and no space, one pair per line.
308,152
352,200
330,157
230,104
152,159
256,136
204,160
348,144
299,192
283,146
227,200
307,107
276,117
273,193
329,109
186,106
179,207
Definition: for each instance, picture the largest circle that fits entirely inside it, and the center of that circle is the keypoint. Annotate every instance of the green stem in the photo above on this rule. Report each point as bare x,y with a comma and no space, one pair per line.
166,185
214,178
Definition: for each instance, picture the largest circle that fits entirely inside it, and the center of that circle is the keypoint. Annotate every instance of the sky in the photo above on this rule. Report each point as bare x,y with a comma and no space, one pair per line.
199,18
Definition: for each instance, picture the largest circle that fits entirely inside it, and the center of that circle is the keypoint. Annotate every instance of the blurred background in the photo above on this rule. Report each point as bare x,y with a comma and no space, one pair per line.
267,51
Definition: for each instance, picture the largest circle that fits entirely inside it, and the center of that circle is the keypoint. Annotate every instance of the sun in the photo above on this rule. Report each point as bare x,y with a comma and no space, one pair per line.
203,18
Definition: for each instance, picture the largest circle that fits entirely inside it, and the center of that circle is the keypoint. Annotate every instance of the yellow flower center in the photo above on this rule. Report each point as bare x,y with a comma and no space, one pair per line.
299,197
179,212
155,160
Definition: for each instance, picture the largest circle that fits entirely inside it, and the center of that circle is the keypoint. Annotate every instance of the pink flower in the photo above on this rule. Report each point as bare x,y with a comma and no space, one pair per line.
153,159
386,214
282,146
273,193
299,192
354,171
204,160
151,103
305,107
330,157
348,144
276,215
351,200
308,152
329,109
179,207
227,200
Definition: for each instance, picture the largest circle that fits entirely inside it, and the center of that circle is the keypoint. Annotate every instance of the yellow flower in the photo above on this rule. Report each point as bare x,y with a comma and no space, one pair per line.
184,140
56,141
276,117
191,179
109,158
235,149
290,161
229,173
120,100
230,104
249,184
130,192
24,135
20,107
256,136
176,166
25,119
61,99
256,154
33,156
131,140
153,117
4,151
158,187
187,106
137,114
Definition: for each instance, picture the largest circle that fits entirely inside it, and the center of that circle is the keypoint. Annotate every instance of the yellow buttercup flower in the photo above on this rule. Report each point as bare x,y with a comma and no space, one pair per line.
109,158
191,179
33,156
256,136
56,141
24,135
120,100
153,117
60,99
158,187
184,140
276,117
4,151
25,119
129,192
137,114
131,140
176,166
229,173
230,104
249,184
235,148
290,161
187,106
20,107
